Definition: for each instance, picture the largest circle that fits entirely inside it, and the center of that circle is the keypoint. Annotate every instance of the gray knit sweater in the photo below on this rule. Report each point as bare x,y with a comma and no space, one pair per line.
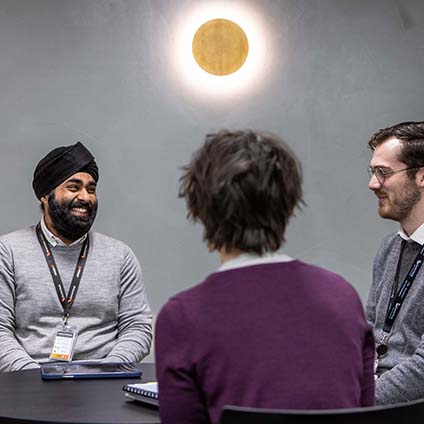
110,310
403,365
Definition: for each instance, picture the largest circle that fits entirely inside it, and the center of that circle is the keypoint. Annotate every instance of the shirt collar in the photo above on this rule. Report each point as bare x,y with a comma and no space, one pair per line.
56,241
249,259
417,235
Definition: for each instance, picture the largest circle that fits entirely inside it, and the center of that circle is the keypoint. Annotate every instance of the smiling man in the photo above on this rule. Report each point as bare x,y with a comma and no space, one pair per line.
395,303
68,293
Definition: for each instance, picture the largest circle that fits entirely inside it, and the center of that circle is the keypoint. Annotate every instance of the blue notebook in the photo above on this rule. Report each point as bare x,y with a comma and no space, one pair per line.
143,392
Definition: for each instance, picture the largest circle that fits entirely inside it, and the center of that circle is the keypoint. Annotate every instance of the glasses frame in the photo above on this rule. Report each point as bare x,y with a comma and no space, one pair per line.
381,175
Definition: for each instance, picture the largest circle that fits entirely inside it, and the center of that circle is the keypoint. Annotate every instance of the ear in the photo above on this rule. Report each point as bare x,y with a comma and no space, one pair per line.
419,178
44,202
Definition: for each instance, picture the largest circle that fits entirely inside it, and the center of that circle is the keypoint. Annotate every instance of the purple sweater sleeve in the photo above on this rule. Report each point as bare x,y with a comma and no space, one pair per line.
180,397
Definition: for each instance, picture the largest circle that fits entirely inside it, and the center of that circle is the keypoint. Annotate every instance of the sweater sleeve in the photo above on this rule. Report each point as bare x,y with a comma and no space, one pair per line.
13,356
404,381
134,317
180,396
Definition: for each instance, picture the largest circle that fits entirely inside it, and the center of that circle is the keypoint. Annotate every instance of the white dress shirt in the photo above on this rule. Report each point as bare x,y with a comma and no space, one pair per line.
417,235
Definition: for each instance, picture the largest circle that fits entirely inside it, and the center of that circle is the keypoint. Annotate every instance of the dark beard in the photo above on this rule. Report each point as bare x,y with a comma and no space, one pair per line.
65,223
403,203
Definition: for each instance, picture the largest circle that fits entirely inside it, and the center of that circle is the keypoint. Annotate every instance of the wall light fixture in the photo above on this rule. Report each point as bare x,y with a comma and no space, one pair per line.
220,47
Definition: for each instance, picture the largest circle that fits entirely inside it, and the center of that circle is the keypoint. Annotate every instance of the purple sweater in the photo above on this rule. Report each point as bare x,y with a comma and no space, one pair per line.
279,335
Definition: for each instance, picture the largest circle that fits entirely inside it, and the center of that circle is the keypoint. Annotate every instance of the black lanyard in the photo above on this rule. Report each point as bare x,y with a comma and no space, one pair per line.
66,301
396,301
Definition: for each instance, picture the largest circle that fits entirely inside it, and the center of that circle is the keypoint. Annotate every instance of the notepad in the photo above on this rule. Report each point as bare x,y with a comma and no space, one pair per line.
143,392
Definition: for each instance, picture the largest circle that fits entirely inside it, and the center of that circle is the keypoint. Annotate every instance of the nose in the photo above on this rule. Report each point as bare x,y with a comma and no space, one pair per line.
83,195
374,184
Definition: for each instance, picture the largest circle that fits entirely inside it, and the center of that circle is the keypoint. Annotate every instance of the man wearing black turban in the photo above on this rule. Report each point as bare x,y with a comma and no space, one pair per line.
60,275
71,218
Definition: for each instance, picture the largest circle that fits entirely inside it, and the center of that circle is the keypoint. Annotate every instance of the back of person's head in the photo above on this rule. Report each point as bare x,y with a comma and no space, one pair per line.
411,135
243,186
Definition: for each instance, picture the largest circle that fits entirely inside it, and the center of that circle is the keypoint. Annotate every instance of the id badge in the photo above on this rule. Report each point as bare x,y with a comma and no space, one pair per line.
64,343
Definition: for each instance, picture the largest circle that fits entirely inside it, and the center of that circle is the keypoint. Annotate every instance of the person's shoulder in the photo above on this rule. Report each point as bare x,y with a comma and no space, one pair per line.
190,296
107,242
330,287
322,275
387,244
198,295
389,239
114,250
19,236
181,305
314,270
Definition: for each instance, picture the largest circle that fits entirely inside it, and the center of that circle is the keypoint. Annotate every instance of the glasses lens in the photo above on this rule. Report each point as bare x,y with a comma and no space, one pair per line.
379,175
377,172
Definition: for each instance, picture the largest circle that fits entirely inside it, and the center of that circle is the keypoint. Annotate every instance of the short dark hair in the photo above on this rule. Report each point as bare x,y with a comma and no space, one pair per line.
411,134
243,186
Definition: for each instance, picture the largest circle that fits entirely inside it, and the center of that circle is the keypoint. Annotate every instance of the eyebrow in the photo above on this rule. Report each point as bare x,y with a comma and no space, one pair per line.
381,166
78,181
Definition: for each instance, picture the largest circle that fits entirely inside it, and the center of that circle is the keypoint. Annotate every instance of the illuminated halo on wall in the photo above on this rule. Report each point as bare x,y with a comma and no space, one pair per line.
200,83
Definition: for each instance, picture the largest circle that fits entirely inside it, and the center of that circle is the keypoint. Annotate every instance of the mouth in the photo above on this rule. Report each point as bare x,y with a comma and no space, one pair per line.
80,211
381,199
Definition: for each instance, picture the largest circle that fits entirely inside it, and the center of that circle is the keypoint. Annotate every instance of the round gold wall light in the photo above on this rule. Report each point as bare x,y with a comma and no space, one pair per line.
220,47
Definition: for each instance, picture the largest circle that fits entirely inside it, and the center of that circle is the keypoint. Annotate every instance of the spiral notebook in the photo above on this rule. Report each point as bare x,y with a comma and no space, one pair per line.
143,392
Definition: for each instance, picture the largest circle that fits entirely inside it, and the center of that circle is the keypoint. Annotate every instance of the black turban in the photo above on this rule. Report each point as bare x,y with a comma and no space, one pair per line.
61,163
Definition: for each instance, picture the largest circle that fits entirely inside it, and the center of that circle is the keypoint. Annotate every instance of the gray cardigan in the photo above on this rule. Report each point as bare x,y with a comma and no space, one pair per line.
403,365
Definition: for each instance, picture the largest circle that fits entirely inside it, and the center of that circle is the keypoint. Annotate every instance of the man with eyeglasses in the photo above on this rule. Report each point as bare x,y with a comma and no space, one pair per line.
396,299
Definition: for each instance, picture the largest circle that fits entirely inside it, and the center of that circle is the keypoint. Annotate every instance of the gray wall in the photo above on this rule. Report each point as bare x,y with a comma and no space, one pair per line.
101,72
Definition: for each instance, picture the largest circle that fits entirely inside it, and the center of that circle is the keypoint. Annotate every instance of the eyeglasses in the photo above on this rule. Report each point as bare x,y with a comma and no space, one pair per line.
381,174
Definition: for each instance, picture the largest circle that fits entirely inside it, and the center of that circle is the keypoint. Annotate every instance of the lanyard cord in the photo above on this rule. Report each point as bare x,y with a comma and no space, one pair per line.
396,301
65,300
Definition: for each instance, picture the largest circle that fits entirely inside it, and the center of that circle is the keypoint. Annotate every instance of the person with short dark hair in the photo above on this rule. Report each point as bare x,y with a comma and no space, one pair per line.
264,330
67,292
396,296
